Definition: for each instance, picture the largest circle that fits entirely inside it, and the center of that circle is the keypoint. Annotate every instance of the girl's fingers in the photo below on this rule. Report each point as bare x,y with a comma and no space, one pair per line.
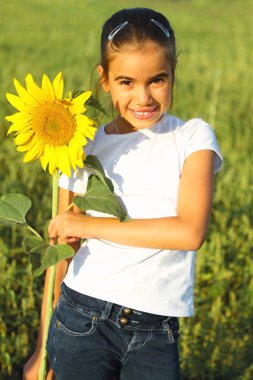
53,241
53,227
72,239
60,227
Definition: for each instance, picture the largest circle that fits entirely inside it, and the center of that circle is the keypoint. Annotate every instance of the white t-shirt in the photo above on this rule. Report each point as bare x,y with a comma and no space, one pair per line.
145,167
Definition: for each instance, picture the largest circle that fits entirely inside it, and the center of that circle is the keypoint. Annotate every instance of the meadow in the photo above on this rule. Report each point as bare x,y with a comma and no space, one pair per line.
214,82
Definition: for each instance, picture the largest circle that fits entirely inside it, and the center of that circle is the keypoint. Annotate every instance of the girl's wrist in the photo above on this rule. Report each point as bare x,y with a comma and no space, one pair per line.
93,226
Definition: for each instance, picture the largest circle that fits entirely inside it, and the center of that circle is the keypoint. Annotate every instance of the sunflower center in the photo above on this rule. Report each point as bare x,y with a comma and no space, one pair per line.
53,123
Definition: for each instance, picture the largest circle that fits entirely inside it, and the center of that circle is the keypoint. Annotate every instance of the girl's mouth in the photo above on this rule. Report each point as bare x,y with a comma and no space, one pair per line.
144,114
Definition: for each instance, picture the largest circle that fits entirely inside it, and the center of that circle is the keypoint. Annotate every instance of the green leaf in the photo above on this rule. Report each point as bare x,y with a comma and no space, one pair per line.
93,163
13,209
35,248
99,197
91,102
75,93
42,255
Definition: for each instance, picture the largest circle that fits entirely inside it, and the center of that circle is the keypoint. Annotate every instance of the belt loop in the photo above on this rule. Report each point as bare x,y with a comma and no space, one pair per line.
165,323
107,310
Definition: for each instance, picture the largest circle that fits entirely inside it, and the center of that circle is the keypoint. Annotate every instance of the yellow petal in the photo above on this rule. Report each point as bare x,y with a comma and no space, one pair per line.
47,88
81,99
72,159
77,108
78,103
79,163
34,153
80,138
84,126
82,120
50,152
75,152
16,102
81,157
19,127
22,117
33,88
90,132
58,86
23,138
28,145
74,146
44,161
63,160
24,95
23,148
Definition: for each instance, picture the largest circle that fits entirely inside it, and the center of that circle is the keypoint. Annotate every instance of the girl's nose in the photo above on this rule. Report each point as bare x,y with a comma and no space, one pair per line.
143,96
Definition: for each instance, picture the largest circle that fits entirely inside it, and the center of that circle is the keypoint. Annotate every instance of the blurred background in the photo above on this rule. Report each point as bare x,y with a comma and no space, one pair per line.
214,82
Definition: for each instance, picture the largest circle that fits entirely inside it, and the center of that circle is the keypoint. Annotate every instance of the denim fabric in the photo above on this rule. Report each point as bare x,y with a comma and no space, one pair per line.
91,339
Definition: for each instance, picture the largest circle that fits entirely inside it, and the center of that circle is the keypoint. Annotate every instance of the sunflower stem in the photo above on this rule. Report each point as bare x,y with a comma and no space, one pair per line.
33,231
49,300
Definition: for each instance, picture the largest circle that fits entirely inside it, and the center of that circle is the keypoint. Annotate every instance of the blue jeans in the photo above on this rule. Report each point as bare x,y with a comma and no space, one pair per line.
91,339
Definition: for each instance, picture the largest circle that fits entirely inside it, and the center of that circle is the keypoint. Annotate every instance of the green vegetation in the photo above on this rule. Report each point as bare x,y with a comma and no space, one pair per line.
215,40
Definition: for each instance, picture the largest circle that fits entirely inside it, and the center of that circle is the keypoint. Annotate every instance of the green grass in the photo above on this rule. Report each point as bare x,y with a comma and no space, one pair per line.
214,40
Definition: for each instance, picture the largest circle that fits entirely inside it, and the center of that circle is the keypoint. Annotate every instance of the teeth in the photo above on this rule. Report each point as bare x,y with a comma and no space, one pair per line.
146,113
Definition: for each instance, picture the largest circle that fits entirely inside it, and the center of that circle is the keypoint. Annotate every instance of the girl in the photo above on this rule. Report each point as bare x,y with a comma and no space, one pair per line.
129,282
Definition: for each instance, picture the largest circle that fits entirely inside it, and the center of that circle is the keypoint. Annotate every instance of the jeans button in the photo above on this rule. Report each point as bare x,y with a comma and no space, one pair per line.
127,311
123,321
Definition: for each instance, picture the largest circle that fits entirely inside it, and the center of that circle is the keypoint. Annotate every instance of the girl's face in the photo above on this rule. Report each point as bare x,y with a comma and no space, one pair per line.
140,84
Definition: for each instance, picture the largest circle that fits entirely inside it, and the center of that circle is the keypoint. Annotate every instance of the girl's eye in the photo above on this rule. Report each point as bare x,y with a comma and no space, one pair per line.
126,82
157,80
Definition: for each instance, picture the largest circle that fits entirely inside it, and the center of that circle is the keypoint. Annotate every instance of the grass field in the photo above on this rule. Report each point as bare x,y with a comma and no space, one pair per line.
214,81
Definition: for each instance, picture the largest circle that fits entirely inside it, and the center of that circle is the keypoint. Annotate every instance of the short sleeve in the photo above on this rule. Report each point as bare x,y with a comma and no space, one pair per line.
76,183
199,135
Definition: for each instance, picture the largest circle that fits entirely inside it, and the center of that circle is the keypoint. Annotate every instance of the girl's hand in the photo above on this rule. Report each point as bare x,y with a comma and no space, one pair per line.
31,368
68,227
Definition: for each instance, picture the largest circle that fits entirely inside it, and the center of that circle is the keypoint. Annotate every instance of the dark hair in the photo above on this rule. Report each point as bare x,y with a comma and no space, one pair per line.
141,27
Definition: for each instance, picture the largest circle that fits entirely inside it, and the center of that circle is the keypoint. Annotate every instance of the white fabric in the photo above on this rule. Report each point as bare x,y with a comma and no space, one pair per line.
145,168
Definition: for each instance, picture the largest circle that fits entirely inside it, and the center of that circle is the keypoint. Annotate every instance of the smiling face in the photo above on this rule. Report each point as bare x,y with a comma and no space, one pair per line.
140,83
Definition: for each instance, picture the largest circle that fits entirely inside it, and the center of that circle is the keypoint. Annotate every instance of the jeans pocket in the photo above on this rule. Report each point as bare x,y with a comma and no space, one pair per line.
75,321
171,330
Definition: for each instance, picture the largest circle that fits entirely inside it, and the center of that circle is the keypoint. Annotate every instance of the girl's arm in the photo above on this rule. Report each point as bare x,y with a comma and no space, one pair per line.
31,368
186,231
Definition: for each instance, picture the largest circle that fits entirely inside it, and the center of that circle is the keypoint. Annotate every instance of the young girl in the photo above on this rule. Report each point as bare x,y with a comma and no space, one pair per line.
129,282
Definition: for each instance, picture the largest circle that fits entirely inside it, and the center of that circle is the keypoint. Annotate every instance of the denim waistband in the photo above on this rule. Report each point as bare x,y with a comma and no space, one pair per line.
123,316
135,319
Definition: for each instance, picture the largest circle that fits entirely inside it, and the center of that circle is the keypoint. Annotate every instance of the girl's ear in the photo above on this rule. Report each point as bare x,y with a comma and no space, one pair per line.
103,79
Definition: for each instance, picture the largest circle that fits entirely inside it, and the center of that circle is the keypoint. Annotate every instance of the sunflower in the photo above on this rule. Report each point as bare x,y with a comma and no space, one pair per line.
48,126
